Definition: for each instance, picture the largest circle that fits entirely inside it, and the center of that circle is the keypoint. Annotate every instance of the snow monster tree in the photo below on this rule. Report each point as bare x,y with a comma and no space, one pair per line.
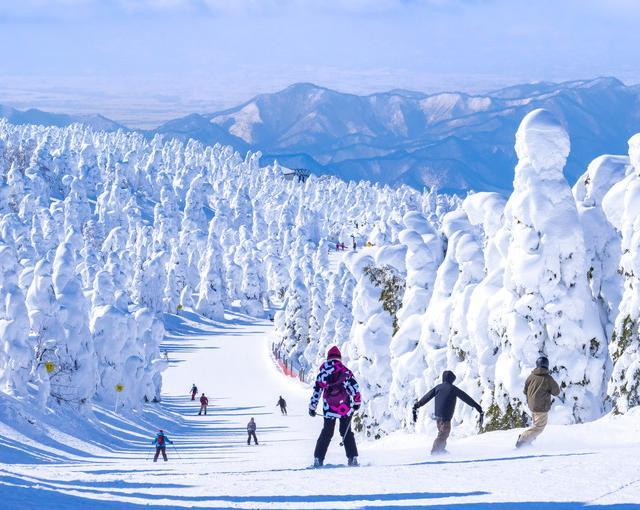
545,305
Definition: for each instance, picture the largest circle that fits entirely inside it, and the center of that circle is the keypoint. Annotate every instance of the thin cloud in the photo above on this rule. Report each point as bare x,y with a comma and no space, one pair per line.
60,9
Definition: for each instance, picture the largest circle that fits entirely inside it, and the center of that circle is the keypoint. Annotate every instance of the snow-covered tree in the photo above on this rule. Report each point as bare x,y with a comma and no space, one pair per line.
17,353
75,375
545,306
212,295
292,324
622,207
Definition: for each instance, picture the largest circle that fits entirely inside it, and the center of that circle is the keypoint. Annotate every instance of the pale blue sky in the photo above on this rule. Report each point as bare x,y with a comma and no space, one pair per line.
154,58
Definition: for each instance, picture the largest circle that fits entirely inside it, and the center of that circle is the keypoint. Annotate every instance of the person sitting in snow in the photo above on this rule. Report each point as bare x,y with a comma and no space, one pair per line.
160,443
341,396
251,431
539,387
446,395
194,391
204,402
282,403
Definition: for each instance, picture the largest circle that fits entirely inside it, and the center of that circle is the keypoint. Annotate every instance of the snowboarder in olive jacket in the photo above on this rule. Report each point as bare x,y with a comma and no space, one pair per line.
539,387
446,395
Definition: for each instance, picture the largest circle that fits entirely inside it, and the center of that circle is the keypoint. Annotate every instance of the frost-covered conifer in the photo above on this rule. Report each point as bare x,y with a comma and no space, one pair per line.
316,318
368,346
292,323
252,287
212,293
622,207
17,352
545,306
75,375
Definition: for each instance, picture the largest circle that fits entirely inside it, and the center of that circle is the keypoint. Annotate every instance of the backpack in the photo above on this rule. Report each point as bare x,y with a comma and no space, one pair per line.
335,394
160,439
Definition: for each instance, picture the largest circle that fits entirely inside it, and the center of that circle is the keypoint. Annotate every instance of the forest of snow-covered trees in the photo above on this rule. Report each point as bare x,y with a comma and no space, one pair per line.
102,233
484,287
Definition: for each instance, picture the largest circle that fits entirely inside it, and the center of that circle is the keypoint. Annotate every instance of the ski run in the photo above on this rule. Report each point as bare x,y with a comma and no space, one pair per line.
211,466
132,269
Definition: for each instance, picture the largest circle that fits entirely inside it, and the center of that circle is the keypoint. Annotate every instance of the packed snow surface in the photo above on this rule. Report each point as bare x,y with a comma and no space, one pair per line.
211,466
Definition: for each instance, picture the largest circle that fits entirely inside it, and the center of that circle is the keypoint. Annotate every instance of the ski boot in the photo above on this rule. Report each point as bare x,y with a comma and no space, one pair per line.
353,462
317,462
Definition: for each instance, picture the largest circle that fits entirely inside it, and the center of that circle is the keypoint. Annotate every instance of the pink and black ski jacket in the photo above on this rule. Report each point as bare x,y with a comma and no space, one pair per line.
339,389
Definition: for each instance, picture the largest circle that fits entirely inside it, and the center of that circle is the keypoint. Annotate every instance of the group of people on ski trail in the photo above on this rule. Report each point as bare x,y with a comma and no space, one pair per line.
339,390
251,426
340,246
204,401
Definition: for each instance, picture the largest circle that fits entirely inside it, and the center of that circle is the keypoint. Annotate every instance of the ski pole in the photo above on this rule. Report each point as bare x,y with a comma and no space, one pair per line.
176,450
346,431
149,452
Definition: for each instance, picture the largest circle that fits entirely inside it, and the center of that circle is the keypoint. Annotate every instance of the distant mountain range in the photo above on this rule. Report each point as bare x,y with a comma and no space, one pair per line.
34,116
453,141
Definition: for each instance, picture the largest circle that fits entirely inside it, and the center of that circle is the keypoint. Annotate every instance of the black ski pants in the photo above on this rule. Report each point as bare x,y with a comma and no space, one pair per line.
283,409
163,450
327,433
251,434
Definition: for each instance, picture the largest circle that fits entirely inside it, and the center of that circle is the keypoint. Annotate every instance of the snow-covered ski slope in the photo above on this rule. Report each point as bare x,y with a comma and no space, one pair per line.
593,465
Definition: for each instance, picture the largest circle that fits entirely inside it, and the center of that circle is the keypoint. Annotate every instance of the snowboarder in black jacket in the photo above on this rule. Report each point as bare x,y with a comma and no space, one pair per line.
446,395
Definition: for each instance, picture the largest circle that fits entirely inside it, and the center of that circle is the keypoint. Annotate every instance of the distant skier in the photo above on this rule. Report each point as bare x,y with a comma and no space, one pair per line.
446,395
341,396
539,387
251,431
166,355
160,443
204,402
282,403
194,391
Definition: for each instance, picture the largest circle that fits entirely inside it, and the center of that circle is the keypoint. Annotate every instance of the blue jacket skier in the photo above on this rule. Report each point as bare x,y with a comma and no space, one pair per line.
160,443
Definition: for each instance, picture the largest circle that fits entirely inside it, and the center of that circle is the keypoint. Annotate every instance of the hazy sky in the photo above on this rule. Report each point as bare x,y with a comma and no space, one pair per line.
139,60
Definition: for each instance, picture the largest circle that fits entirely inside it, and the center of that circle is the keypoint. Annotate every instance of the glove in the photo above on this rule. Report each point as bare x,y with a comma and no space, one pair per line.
356,407
312,413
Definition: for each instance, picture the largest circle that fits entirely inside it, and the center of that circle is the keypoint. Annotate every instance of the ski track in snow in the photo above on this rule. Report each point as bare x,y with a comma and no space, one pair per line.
211,465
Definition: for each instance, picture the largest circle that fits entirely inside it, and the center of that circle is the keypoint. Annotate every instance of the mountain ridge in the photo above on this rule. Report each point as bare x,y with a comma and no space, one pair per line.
451,140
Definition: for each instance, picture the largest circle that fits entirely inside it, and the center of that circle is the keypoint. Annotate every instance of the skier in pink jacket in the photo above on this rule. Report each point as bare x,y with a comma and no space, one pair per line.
341,395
